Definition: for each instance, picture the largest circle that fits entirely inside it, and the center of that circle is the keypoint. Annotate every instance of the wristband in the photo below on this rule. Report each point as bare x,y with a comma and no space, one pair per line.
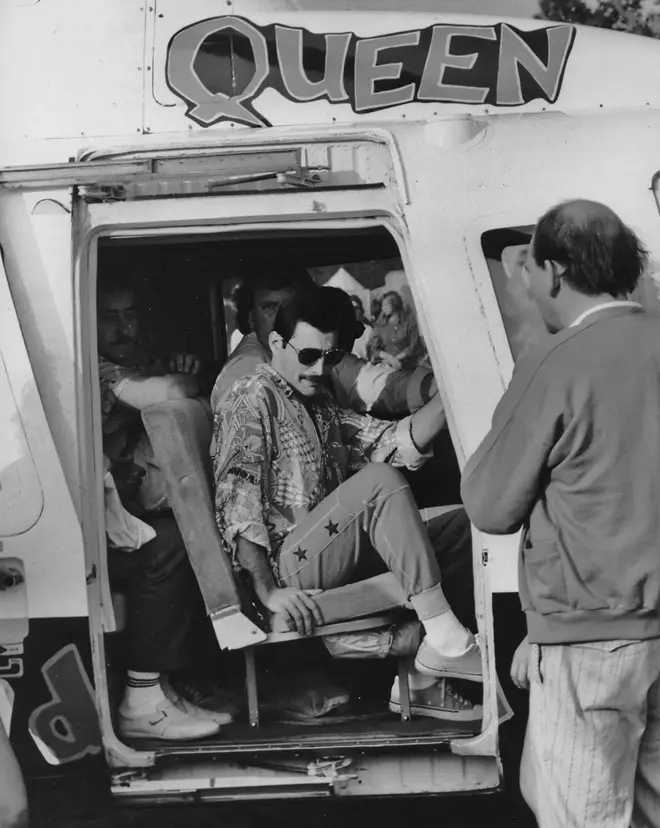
412,439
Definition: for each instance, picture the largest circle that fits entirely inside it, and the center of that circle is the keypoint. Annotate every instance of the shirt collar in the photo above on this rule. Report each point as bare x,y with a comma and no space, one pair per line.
278,379
616,303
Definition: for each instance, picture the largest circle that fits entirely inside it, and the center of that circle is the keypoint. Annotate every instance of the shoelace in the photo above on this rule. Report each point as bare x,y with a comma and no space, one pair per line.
193,694
454,697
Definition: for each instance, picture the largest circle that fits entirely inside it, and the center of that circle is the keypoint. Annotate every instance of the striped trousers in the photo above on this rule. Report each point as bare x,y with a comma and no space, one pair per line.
592,750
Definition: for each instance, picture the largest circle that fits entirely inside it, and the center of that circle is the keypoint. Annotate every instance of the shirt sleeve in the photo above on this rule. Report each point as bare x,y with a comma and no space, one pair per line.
378,441
502,480
111,379
240,464
234,370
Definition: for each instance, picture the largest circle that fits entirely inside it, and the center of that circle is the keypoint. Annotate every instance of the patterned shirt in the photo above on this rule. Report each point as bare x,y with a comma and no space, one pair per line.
273,464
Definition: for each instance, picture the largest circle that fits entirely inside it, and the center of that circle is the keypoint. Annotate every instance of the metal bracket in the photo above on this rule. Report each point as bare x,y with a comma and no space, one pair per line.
234,630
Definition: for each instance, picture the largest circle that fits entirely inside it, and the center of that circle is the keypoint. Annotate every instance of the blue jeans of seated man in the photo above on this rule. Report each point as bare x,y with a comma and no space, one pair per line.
167,628
375,511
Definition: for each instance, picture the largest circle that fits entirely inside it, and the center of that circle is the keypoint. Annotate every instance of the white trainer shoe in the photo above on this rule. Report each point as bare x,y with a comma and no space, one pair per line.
164,721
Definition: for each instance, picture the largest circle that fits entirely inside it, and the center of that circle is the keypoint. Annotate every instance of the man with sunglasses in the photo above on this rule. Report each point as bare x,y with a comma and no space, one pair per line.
357,384
305,489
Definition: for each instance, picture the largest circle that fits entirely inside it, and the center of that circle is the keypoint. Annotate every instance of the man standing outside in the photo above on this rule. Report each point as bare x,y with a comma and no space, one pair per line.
573,457
304,489
13,798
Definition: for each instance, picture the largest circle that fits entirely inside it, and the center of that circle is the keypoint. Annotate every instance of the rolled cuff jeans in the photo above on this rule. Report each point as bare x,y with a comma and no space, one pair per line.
374,511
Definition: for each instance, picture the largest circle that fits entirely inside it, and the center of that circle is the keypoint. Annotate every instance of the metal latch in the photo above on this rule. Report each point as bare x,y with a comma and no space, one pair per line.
123,778
304,177
330,768
14,614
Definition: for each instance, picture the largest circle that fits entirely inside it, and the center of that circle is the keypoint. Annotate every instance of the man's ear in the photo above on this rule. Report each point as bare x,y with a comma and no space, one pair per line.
556,267
556,271
250,320
275,340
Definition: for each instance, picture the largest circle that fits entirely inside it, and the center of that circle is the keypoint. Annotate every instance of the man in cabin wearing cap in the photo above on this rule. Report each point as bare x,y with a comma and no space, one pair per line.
573,458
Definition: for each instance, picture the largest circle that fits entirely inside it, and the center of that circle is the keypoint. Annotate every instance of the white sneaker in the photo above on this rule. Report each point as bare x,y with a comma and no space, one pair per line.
164,721
185,706
439,701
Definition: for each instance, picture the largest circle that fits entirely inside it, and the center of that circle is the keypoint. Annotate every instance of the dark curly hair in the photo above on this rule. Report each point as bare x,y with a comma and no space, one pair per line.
601,255
327,309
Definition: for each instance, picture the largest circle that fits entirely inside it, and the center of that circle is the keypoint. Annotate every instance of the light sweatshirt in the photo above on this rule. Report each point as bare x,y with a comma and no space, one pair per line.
573,457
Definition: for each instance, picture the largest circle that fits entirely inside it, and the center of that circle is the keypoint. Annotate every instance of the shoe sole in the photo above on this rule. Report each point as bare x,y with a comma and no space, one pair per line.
447,673
219,719
135,734
474,715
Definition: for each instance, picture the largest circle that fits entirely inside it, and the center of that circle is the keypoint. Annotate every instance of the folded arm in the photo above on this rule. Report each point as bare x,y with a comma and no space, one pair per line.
131,388
141,392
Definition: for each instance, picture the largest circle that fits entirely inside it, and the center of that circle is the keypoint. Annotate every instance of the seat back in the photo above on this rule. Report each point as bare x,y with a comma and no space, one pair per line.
180,433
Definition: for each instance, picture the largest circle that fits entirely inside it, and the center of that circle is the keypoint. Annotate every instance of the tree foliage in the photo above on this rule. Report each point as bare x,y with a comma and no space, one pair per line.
638,16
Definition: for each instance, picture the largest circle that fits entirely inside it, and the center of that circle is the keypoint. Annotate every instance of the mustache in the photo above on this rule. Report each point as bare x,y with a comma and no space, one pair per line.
125,340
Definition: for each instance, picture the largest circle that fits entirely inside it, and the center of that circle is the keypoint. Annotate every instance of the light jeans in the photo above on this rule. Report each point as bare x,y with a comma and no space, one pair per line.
374,510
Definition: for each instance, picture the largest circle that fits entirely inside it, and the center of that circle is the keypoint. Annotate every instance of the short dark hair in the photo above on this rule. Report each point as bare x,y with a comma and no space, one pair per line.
266,278
327,309
600,253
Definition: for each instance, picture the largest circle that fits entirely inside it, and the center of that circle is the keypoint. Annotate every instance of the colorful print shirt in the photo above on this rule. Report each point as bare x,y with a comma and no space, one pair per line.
273,464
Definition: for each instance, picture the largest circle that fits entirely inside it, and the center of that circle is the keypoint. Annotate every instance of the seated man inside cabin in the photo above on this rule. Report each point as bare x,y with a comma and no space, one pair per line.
378,389
166,620
305,489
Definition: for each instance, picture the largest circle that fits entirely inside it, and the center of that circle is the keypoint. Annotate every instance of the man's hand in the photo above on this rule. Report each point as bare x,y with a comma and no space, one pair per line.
520,665
298,606
185,364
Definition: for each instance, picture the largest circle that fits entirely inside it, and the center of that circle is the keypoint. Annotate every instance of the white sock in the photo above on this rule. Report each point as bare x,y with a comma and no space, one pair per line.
143,692
447,635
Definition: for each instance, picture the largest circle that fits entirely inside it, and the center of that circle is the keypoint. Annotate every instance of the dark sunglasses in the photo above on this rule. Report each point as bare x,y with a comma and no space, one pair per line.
310,356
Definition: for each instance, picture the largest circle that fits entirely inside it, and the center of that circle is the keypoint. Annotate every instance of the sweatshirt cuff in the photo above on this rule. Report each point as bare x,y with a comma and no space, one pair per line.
414,395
